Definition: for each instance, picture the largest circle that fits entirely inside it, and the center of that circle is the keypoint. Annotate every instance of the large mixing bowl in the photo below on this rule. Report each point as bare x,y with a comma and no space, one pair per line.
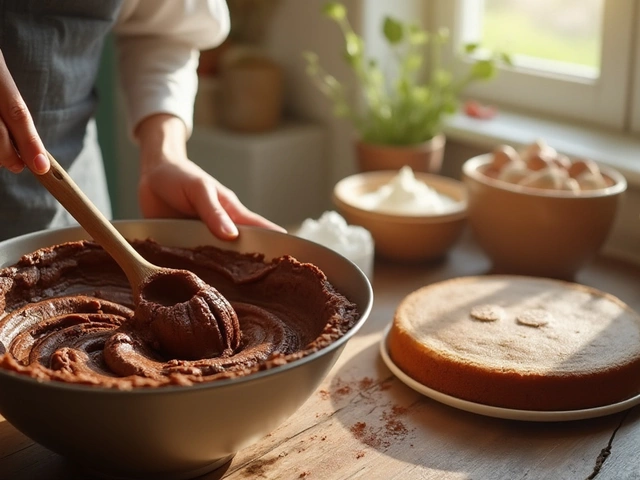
175,432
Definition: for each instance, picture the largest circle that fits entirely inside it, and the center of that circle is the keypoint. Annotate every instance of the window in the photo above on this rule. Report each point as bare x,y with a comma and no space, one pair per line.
549,36
573,59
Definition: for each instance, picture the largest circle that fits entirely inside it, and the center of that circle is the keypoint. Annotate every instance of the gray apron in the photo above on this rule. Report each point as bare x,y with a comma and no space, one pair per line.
53,49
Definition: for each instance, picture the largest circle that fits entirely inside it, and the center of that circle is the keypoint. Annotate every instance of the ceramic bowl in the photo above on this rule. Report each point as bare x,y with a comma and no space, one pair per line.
534,231
404,238
184,431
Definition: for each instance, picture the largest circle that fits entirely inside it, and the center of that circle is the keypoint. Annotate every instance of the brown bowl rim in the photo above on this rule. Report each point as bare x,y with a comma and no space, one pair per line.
471,166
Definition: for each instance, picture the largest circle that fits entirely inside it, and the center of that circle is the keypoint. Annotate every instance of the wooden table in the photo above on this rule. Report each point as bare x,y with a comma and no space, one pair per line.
363,423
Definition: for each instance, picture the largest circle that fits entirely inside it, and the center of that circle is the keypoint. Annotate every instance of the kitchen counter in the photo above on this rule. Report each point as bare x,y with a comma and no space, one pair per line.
363,423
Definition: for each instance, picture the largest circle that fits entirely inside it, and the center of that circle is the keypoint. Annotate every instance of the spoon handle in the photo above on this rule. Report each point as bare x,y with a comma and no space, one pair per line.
67,192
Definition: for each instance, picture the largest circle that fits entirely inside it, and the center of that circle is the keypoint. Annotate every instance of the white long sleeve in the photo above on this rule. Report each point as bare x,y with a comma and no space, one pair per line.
158,44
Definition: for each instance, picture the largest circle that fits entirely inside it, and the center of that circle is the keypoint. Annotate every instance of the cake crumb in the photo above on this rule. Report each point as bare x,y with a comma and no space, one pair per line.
393,425
344,390
258,468
398,410
396,428
368,435
382,435
365,383
386,385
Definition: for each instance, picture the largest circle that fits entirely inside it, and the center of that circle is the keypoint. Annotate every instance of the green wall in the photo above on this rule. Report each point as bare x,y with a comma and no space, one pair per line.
106,119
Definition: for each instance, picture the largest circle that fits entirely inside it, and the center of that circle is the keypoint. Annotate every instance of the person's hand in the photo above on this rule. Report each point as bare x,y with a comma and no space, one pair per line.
183,189
173,186
20,143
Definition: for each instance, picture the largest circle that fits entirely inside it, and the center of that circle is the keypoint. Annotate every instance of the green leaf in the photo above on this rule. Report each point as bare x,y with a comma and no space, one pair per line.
392,30
471,47
353,45
417,35
413,62
442,78
483,69
443,35
421,95
403,87
385,112
451,107
376,78
341,110
335,11
506,59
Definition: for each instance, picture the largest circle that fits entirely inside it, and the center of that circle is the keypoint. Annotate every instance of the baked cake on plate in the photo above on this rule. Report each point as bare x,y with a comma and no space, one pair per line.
519,342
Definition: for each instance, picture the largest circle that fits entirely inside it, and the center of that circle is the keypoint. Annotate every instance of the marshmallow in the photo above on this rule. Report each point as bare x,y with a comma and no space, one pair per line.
351,241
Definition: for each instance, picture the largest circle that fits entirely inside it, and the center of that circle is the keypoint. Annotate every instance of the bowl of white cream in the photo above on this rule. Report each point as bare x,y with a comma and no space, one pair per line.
412,216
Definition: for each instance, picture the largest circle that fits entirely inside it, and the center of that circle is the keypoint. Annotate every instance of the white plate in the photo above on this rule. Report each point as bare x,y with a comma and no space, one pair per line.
499,412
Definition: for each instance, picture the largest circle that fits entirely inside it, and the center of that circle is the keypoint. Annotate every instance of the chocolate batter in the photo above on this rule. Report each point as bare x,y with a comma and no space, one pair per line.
185,317
67,314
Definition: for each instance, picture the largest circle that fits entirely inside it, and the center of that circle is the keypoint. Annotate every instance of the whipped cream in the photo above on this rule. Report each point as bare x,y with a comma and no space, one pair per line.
351,241
406,195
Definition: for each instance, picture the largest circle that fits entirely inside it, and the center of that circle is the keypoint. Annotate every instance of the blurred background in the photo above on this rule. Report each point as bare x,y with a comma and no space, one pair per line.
264,129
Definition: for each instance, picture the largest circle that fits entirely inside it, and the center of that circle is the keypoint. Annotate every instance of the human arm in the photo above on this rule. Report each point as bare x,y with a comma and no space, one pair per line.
158,44
20,143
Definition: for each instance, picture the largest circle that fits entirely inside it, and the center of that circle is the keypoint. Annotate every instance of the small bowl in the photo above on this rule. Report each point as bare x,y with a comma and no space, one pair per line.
534,231
175,432
404,238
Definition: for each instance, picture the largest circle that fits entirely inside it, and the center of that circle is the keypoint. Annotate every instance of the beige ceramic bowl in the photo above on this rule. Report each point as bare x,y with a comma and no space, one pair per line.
404,237
532,231
174,432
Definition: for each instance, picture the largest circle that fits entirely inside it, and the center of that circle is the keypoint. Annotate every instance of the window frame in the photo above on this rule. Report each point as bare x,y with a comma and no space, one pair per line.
634,104
604,101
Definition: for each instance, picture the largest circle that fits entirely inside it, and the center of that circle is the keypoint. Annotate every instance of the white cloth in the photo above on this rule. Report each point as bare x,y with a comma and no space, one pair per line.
158,45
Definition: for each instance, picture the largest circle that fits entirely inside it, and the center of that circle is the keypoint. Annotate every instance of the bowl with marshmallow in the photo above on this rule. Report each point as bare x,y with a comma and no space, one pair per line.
412,216
538,212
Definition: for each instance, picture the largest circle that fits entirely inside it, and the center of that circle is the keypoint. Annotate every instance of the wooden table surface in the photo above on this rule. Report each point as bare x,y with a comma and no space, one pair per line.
363,423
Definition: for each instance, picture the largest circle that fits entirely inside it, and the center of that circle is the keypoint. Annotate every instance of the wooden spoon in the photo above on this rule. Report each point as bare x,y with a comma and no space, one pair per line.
157,289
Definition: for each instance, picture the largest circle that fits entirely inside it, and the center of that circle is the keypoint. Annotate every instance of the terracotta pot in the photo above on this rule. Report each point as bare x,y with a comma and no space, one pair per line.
422,157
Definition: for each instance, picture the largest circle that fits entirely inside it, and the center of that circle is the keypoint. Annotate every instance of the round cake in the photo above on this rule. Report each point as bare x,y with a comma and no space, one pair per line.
519,342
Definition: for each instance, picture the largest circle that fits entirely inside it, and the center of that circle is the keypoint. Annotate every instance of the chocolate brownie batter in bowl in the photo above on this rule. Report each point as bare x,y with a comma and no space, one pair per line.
82,374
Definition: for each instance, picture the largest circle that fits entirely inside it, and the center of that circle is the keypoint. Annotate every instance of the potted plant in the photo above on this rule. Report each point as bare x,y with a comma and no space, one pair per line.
398,118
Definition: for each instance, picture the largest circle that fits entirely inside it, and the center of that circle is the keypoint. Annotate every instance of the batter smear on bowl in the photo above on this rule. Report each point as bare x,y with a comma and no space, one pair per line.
67,314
